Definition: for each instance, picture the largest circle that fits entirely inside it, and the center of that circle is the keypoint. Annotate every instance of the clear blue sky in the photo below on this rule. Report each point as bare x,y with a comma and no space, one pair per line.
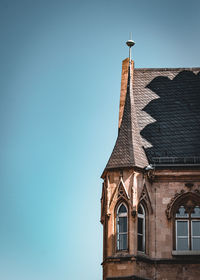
60,64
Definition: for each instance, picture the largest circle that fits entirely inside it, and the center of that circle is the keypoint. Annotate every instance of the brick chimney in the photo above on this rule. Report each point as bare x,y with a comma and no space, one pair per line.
124,81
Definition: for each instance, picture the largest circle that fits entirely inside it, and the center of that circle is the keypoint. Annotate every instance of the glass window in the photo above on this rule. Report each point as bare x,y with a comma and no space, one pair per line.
141,229
182,235
187,228
122,209
195,235
122,228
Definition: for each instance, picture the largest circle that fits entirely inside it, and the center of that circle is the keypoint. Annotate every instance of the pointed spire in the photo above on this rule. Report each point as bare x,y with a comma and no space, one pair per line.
128,150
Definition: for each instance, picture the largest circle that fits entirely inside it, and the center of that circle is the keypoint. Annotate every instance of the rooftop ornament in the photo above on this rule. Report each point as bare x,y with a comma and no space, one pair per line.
130,43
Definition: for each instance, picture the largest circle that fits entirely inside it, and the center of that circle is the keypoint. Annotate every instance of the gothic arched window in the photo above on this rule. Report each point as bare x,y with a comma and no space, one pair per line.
122,227
141,229
187,226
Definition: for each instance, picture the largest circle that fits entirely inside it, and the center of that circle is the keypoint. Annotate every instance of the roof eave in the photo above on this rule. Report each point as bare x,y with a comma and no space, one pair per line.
119,168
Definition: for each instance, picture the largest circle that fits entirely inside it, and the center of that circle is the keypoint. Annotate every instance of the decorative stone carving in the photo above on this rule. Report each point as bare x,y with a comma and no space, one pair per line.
151,175
133,212
122,192
145,197
191,195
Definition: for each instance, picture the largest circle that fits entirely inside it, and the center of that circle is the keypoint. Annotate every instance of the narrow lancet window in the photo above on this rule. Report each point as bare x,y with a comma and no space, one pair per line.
141,229
122,228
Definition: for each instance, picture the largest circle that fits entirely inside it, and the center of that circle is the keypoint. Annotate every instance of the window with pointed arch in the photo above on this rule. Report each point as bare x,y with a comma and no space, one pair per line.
187,226
122,227
141,229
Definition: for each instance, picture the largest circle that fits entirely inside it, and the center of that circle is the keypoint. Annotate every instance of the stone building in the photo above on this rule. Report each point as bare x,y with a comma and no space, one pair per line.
150,205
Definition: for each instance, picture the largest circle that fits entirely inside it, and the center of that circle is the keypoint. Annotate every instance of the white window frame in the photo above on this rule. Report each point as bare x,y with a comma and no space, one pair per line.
192,236
189,219
188,241
120,215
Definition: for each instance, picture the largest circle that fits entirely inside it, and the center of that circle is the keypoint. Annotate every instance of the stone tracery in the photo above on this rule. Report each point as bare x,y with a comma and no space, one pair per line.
190,199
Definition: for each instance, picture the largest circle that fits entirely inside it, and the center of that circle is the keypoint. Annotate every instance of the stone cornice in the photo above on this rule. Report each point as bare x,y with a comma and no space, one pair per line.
178,175
189,259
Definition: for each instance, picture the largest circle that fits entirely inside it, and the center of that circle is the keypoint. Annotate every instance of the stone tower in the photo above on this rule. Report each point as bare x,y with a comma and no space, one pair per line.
150,205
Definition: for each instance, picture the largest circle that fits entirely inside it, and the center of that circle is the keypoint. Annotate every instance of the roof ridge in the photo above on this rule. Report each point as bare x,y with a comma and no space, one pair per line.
168,69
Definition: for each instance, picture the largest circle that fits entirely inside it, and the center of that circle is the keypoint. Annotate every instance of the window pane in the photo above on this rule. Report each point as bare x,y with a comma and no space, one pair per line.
122,224
182,243
140,211
196,212
181,212
195,243
140,243
140,225
122,209
182,228
123,242
195,228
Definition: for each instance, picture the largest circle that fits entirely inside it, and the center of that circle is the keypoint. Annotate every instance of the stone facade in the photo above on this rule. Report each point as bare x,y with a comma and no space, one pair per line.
161,190
156,191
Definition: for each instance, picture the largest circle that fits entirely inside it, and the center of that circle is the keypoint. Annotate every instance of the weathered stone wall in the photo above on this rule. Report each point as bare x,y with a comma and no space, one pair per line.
157,262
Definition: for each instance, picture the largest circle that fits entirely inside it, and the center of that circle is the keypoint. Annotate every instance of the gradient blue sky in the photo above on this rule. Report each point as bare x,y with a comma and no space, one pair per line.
60,69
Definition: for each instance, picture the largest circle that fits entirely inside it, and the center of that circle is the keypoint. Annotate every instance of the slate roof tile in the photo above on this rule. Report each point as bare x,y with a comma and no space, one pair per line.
161,117
172,99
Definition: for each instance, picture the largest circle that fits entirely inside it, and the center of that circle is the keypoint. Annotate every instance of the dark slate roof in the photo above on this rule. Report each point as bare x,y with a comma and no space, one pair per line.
168,112
161,117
